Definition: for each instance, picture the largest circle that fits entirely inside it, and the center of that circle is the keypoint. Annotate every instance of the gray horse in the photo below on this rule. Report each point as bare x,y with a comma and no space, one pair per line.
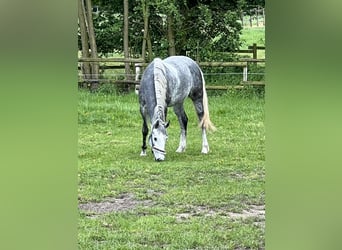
166,83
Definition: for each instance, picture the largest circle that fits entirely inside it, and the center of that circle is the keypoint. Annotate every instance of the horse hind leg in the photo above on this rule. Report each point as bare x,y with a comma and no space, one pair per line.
200,113
205,145
183,123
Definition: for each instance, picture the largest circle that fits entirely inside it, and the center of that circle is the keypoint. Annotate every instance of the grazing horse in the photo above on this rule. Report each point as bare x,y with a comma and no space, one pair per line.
166,83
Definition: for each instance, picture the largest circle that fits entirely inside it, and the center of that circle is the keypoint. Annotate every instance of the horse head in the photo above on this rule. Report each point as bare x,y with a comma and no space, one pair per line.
158,139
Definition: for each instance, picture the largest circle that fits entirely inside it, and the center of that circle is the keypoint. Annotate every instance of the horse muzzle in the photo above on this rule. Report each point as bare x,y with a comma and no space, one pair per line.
159,154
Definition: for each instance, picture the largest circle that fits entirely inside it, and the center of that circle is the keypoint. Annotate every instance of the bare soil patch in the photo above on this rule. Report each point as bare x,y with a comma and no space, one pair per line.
125,202
253,211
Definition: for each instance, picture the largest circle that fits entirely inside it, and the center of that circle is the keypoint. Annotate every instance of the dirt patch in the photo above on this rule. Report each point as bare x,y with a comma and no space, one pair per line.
124,202
127,202
253,211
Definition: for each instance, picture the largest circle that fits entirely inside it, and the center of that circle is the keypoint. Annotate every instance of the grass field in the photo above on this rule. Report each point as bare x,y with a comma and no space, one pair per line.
189,201
253,35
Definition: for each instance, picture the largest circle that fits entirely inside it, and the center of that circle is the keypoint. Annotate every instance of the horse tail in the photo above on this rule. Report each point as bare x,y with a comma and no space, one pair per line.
205,122
160,83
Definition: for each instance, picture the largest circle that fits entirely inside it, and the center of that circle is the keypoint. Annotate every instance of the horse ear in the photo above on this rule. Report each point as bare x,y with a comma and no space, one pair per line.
156,125
167,124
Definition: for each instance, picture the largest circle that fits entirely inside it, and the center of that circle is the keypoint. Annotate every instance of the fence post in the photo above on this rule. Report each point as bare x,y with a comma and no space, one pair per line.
245,74
255,51
137,71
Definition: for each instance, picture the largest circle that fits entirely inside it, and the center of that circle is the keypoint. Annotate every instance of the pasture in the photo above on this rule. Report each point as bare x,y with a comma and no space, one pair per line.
189,201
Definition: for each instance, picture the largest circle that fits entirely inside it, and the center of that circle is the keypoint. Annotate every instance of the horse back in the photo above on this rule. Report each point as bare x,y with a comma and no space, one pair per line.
184,78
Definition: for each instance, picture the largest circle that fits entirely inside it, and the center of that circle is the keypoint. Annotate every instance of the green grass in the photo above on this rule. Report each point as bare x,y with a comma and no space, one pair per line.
253,35
206,188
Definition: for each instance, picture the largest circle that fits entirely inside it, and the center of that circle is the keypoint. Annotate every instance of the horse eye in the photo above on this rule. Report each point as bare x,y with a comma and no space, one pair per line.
155,139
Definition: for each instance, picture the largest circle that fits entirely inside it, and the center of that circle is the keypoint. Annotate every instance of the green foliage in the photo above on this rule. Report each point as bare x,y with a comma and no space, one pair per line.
200,28
106,26
210,32
191,194
255,3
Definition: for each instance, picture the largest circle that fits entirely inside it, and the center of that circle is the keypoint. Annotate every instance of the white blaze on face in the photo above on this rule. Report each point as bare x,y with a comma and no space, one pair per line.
158,140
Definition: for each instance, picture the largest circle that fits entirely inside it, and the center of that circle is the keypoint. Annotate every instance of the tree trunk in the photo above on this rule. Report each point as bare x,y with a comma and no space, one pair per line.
241,17
149,47
126,48
145,11
85,68
93,47
171,36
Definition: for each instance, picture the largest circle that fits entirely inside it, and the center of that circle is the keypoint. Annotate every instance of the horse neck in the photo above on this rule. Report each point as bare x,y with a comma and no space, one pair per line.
160,83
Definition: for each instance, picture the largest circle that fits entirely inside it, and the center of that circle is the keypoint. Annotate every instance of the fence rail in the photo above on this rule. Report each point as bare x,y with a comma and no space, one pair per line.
252,50
129,60
138,65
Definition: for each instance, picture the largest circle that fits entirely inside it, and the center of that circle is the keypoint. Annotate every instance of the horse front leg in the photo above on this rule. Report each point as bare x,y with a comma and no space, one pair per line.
144,130
183,123
182,141
144,135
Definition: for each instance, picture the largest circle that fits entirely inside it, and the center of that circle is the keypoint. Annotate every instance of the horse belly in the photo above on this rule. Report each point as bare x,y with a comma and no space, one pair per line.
179,80
178,92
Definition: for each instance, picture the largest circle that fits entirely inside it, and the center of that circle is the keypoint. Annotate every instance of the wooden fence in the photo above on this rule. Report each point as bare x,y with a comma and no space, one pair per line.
242,64
253,49
137,66
119,64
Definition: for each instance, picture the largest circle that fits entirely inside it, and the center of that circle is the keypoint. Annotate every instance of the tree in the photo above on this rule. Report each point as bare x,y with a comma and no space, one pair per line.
208,27
88,41
146,14
84,40
125,38
198,28
255,3
92,43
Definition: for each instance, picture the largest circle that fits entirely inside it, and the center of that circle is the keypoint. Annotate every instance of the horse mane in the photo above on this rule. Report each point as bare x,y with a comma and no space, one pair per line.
160,84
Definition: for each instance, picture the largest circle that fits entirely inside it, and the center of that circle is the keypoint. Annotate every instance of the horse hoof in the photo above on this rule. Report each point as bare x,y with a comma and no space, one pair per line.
205,150
143,154
180,150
